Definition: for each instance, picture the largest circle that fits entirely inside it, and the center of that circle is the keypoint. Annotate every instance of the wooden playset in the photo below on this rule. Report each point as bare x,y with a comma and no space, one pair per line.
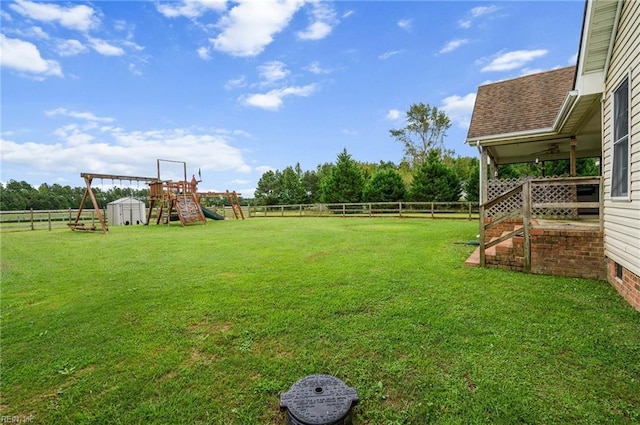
166,196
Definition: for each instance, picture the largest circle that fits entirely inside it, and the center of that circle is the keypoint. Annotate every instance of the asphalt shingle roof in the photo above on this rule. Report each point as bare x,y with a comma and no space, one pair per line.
526,103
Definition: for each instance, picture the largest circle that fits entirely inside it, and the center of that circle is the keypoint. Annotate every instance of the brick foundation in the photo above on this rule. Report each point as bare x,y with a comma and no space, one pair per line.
575,253
628,287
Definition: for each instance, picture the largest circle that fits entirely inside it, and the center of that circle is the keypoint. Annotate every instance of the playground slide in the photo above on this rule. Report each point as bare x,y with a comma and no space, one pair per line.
211,214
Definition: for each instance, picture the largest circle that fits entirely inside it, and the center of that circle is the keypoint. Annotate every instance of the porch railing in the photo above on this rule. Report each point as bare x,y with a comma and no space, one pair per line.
551,198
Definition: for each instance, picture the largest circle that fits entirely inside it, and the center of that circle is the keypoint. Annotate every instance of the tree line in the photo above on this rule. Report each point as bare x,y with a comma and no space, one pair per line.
20,195
350,181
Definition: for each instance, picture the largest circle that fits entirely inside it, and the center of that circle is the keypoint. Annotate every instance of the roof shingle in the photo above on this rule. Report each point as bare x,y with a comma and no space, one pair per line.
526,103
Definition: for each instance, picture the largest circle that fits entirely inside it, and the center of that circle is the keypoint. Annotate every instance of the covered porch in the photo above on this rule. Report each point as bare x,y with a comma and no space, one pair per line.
548,224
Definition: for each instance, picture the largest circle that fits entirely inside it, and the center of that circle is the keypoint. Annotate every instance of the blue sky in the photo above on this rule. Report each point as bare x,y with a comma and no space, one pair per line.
236,88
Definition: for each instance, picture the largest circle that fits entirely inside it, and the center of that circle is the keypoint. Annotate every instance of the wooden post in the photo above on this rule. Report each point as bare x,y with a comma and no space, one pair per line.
400,209
483,200
494,168
49,214
32,226
572,156
526,223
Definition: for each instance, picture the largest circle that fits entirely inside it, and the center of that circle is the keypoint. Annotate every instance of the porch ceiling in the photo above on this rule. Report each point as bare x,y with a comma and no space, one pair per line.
583,122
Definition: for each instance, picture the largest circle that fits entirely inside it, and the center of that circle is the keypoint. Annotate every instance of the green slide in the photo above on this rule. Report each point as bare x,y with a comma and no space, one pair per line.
211,214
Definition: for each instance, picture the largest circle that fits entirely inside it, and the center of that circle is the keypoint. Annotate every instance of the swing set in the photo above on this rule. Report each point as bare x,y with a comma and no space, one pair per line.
166,195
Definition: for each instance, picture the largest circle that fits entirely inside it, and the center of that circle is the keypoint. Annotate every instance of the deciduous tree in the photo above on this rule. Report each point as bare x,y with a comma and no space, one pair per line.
424,132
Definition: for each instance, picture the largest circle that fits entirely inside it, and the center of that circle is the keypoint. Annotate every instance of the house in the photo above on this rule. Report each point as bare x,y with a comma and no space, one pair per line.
590,110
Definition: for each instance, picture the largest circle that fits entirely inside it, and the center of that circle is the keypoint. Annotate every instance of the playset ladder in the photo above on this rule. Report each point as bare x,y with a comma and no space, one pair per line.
234,201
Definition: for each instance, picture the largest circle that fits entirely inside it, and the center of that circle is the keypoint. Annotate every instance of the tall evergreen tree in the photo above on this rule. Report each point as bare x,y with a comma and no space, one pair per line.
435,182
386,185
345,183
291,188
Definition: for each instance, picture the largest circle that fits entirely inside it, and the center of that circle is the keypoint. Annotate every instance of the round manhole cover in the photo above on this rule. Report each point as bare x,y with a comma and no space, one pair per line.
319,400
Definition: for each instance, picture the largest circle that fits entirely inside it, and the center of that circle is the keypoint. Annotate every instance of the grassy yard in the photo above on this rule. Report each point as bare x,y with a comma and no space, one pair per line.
209,324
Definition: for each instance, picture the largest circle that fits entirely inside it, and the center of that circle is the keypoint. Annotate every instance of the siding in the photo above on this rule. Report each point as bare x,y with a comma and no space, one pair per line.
622,218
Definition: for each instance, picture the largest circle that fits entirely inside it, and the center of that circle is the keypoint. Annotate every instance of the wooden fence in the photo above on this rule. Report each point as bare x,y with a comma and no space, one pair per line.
455,210
52,219
42,219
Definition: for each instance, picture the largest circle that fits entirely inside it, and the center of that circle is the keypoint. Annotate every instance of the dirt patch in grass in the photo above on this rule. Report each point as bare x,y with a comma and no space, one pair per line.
206,327
197,356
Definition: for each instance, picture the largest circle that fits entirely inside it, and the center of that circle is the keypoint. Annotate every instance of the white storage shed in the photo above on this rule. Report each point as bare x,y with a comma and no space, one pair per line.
125,212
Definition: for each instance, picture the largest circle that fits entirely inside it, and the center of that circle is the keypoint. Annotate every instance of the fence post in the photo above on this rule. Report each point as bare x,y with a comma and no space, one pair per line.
469,211
432,210
32,228
281,210
400,209
49,214
344,210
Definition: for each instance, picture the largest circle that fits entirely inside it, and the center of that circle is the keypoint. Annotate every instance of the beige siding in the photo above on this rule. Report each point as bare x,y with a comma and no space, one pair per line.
622,218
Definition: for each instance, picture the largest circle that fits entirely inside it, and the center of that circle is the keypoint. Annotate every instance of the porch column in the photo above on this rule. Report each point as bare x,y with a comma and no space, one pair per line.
572,156
483,200
494,168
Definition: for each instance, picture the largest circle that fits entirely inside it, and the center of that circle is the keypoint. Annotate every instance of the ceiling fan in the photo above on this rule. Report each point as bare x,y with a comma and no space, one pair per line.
552,149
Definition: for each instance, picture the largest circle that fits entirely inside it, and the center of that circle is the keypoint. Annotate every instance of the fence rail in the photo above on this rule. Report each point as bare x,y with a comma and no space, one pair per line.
52,219
460,210
41,219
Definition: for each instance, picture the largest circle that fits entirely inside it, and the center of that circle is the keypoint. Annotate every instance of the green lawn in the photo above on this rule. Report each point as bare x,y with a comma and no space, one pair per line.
209,324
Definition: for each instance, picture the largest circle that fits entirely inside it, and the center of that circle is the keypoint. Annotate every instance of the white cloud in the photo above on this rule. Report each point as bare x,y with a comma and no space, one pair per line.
315,31
393,115
204,53
476,13
72,135
34,32
512,60
80,17
453,45
273,99
273,71
264,168
86,116
69,47
459,108
388,54
118,151
405,24
135,69
315,68
573,59
191,8
25,57
483,10
105,48
235,83
347,14
5,16
250,25
323,20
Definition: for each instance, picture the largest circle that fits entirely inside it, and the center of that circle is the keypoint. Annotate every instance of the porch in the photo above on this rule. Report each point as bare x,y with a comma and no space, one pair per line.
544,226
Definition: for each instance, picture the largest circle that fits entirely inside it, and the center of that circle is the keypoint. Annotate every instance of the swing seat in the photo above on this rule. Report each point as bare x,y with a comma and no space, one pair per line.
81,227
